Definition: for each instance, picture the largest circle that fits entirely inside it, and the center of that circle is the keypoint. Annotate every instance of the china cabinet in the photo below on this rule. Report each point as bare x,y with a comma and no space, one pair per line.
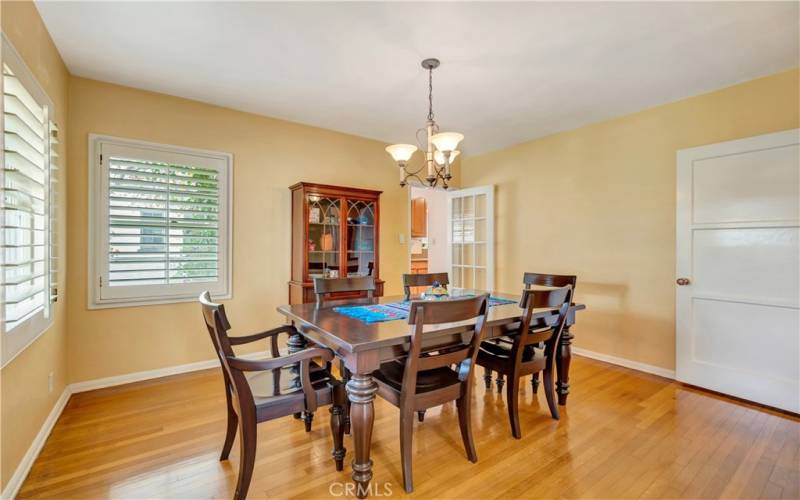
334,235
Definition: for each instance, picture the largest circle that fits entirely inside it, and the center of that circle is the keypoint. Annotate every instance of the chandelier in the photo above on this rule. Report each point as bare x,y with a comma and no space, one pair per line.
440,147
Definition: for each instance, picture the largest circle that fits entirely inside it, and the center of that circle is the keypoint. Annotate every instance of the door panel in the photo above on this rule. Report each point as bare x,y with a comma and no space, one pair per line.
758,259
738,243
751,186
728,329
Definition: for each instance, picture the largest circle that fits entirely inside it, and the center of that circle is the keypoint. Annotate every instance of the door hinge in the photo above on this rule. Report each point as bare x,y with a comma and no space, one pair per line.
101,281
101,159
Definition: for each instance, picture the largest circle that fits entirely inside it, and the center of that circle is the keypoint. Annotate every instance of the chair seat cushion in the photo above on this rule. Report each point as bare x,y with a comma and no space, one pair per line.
391,374
502,349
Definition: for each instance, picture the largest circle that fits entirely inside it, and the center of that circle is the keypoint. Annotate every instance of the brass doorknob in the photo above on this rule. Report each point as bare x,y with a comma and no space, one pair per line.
682,281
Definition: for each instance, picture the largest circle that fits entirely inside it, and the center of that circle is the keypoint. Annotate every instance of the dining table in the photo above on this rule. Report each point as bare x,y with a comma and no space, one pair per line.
363,346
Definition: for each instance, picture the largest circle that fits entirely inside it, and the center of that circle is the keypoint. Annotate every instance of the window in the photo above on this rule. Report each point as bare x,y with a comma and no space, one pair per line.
28,225
160,226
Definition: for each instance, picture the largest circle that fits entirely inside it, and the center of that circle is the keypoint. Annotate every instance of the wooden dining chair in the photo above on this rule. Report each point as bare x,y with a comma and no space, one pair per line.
327,286
524,357
423,279
529,280
261,390
425,378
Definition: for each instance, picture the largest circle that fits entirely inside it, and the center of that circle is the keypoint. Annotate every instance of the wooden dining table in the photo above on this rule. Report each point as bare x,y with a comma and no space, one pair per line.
364,346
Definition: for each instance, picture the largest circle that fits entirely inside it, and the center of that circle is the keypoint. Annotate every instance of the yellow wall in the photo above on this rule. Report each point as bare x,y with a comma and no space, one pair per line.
269,156
24,399
599,202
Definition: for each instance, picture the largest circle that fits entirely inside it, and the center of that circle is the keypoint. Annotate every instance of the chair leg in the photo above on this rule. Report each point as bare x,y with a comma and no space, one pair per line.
308,417
535,382
549,391
337,426
487,377
230,434
421,415
345,373
512,397
406,435
465,424
247,455
499,381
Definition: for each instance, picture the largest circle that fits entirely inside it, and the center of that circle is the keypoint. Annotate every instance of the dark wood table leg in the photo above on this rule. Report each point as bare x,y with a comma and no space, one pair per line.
361,391
563,358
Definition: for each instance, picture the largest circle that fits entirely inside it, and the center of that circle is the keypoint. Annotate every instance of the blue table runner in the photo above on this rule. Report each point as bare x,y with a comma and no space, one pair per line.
376,313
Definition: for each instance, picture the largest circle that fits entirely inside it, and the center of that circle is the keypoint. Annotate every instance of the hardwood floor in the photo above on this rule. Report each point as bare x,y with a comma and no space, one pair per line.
624,434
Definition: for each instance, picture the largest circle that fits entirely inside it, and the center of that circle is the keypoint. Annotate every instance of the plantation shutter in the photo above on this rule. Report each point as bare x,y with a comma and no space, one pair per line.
165,218
28,269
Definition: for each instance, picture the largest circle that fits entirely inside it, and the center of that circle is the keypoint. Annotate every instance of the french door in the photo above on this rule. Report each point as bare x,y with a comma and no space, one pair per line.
471,237
738,268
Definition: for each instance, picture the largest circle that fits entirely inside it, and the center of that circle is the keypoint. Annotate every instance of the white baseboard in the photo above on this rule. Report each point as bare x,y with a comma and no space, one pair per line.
24,467
627,363
100,383
15,483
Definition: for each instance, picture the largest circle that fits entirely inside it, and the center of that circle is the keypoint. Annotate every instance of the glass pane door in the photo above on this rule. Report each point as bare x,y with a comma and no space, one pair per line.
360,238
323,235
471,237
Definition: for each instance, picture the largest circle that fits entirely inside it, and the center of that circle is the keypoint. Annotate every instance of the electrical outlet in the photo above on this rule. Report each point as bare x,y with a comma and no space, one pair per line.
50,382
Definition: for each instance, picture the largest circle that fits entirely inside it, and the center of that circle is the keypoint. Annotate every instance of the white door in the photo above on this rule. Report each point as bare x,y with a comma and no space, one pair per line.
738,265
471,237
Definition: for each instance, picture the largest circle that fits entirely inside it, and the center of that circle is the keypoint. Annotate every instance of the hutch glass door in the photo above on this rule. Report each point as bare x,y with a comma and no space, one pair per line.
323,235
360,237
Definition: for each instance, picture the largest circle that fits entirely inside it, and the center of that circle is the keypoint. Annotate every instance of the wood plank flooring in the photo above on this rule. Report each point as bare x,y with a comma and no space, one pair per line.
624,434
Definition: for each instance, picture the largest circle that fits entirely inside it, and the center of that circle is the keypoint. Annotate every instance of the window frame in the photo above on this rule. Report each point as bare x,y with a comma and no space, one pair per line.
13,342
98,227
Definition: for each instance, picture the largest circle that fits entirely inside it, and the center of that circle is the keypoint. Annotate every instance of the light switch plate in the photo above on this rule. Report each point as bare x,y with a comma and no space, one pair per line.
402,238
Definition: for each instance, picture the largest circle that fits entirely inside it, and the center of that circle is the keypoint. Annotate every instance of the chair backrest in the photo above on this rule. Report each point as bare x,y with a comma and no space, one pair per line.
428,279
458,351
554,280
218,325
324,286
549,330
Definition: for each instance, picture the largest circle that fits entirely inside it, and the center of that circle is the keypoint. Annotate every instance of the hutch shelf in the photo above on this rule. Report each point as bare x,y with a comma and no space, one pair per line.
334,234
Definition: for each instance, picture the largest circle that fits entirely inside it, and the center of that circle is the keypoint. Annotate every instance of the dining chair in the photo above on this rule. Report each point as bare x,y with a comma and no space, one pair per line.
523,357
326,286
529,280
425,378
261,390
423,279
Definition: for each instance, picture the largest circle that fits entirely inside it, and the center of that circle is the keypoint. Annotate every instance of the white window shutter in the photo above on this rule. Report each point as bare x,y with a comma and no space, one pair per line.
26,200
161,231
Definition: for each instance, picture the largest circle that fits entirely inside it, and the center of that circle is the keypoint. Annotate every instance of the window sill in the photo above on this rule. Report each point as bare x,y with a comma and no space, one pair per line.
94,304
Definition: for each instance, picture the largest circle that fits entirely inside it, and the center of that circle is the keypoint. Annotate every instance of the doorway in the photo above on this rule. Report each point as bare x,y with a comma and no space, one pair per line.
453,231
428,248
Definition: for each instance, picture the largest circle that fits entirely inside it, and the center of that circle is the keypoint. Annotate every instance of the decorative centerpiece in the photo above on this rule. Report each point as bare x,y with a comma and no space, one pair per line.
436,291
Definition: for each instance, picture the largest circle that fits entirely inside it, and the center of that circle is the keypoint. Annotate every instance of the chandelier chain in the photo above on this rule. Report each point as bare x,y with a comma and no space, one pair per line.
430,94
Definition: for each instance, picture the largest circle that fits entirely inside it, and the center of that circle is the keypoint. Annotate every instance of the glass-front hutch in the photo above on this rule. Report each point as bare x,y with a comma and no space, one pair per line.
334,235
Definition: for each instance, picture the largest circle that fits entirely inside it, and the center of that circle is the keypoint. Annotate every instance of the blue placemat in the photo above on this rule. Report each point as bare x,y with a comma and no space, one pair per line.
376,313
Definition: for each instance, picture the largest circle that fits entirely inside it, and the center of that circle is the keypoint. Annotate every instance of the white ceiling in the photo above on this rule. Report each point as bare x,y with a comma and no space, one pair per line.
510,71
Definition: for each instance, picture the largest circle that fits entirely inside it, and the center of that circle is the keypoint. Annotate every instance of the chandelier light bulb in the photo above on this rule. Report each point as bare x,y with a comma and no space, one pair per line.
440,159
447,141
401,153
